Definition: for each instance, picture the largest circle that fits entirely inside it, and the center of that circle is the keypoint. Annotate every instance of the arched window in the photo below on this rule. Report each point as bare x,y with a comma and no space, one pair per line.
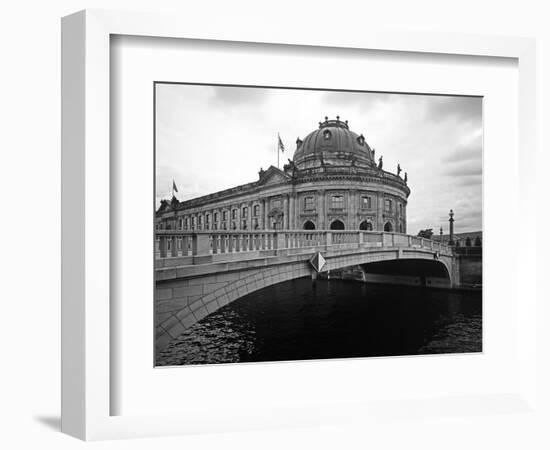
366,226
309,225
477,242
468,242
337,225
388,227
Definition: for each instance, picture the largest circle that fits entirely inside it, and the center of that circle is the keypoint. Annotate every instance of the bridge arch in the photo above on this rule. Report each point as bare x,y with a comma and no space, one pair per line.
409,271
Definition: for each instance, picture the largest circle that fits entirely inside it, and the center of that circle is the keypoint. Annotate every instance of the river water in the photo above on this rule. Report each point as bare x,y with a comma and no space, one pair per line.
299,319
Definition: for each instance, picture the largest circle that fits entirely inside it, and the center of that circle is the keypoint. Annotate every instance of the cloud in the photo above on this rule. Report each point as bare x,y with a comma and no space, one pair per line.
230,96
461,108
465,151
465,168
470,180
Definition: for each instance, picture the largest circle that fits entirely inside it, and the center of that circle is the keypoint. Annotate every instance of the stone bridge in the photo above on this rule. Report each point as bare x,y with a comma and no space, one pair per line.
200,272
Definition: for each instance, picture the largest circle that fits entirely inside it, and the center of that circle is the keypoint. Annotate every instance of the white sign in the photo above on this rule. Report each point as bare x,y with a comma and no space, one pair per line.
317,261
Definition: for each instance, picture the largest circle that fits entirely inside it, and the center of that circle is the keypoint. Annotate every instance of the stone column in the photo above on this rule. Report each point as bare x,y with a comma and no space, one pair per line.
291,211
262,214
379,211
266,215
238,217
297,222
285,211
351,210
321,210
404,217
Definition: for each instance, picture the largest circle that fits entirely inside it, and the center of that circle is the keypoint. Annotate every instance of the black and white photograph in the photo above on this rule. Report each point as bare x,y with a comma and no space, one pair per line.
306,224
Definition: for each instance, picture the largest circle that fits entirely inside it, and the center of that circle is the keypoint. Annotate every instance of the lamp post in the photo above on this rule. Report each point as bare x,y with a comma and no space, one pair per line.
451,227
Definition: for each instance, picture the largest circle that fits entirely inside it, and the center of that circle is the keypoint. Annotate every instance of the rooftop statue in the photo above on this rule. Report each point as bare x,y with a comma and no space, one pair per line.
380,163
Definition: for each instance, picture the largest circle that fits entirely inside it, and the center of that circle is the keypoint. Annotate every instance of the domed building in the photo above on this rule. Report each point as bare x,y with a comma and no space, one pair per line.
332,182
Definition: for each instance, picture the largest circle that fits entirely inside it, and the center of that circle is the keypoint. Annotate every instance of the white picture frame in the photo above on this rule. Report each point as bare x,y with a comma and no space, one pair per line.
86,326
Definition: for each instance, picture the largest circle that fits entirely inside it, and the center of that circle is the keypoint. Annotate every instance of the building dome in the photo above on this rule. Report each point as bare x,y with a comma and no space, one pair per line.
334,144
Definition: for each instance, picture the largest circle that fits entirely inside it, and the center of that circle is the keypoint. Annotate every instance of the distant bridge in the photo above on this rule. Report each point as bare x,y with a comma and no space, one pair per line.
199,272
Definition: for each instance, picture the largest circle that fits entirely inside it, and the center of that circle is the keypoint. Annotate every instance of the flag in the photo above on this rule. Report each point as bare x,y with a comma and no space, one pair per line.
174,187
281,145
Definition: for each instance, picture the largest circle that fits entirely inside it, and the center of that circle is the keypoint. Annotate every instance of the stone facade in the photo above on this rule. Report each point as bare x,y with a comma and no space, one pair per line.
332,182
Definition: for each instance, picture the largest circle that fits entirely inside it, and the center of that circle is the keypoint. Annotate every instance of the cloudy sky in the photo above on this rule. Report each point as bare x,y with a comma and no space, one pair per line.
210,138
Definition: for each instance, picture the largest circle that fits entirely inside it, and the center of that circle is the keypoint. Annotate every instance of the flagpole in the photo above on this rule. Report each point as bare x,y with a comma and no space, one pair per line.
278,150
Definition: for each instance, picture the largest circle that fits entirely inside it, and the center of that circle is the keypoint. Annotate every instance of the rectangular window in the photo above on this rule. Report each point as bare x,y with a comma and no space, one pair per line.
366,202
337,202
207,218
256,210
234,214
276,203
215,217
400,209
192,222
186,223
388,205
245,211
200,220
224,215
309,203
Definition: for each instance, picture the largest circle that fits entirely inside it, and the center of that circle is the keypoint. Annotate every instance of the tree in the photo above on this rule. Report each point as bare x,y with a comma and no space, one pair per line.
426,234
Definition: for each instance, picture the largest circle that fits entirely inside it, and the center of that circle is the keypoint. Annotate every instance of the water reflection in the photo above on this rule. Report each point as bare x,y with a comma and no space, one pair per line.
332,319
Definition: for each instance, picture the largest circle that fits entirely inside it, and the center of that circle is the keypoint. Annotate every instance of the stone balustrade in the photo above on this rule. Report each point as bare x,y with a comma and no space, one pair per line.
172,244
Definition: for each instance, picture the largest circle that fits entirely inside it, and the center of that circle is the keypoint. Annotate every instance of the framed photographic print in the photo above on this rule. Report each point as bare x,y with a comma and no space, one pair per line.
269,230
315,258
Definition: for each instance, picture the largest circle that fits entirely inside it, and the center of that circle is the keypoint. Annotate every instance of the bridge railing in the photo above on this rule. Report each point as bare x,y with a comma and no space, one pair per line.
173,243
